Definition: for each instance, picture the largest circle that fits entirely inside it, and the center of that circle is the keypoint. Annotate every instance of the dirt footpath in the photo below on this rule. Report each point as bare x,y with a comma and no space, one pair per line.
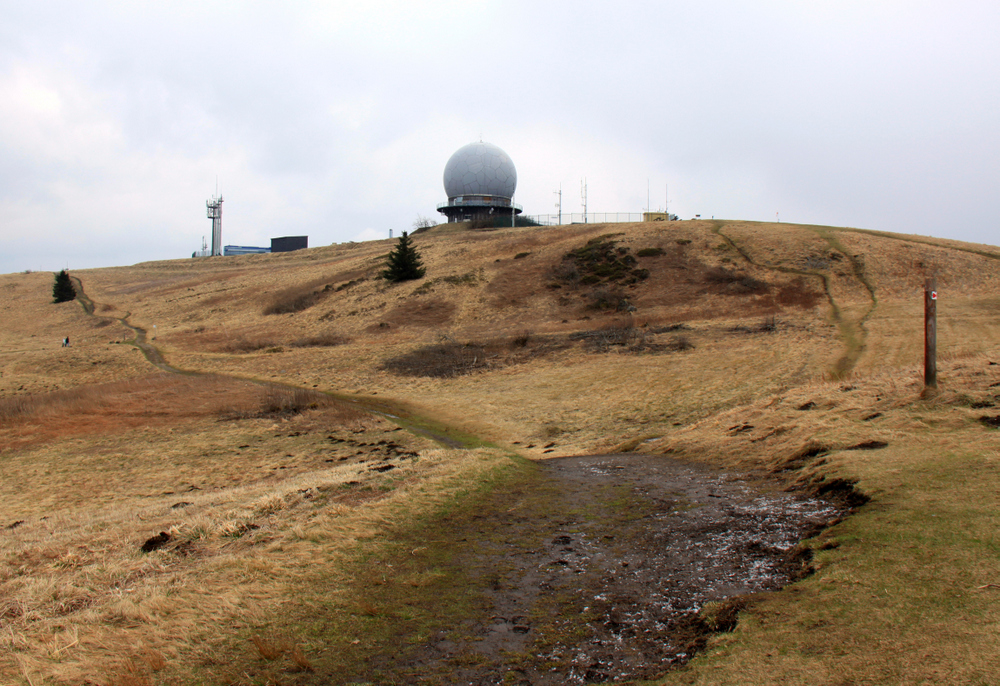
593,573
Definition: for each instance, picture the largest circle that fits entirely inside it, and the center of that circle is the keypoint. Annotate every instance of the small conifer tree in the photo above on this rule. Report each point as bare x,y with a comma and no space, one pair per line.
62,290
403,263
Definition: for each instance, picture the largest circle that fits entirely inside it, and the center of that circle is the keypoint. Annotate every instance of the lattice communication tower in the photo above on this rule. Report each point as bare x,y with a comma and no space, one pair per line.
215,214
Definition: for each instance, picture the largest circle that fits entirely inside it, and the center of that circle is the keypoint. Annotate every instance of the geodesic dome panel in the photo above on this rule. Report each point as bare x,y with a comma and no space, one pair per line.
480,169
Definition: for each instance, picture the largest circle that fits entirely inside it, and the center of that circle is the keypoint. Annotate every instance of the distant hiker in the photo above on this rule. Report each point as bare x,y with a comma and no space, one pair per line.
66,342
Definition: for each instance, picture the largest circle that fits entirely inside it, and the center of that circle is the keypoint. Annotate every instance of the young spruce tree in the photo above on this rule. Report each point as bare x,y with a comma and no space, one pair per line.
403,263
62,290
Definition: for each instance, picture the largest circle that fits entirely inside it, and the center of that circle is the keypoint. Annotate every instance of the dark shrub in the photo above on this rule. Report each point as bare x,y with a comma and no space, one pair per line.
442,360
682,343
601,260
276,401
735,282
323,340
520,340
293,300
451,358
500,222
798,294
605,298
243,344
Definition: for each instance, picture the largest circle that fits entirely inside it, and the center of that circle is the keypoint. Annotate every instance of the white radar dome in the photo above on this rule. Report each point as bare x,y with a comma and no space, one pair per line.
480,169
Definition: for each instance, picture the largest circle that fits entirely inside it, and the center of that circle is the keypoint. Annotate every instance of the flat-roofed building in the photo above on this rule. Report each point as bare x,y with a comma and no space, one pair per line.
289,243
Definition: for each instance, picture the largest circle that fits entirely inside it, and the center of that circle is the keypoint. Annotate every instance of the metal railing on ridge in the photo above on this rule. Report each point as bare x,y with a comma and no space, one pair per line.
588,218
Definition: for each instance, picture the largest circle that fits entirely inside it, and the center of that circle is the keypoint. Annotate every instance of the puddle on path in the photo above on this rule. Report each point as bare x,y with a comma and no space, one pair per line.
595,573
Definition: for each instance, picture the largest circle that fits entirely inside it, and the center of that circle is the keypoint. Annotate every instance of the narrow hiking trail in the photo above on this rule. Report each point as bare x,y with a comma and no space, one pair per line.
852,331
149,351
440,433
595,570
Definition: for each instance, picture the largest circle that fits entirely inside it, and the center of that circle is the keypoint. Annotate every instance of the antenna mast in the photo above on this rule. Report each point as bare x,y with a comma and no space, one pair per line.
559,204
583,197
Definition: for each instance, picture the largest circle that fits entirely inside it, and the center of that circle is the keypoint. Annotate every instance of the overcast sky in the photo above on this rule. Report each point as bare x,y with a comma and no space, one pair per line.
335,119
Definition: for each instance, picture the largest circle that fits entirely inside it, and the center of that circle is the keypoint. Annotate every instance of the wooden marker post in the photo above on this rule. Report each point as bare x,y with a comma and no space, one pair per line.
930,332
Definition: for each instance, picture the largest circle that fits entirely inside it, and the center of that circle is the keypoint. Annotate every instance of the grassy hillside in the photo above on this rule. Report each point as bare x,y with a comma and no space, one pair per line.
770,348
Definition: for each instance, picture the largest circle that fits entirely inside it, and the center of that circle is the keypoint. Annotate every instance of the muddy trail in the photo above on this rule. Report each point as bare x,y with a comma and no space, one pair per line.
597,569
595,572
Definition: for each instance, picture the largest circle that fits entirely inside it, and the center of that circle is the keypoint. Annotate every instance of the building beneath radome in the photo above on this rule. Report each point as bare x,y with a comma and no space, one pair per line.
480,181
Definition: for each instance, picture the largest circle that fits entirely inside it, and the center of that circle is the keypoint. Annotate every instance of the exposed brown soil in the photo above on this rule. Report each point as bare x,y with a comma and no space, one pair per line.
596,572
153,400
432,312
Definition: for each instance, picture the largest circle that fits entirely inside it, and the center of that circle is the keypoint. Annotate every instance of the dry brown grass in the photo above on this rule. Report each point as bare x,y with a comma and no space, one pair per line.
100,469
295,299
248,344
676,291
276,401
451,358
272,648
327,339
905,576
244,503
148,401
432,312
32,359
515,283
302,296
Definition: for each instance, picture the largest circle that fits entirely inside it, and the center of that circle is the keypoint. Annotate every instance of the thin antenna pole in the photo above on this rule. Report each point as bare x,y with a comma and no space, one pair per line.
583,196
559,204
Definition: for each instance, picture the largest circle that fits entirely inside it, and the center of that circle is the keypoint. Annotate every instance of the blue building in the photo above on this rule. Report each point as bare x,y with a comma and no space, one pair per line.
243,250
